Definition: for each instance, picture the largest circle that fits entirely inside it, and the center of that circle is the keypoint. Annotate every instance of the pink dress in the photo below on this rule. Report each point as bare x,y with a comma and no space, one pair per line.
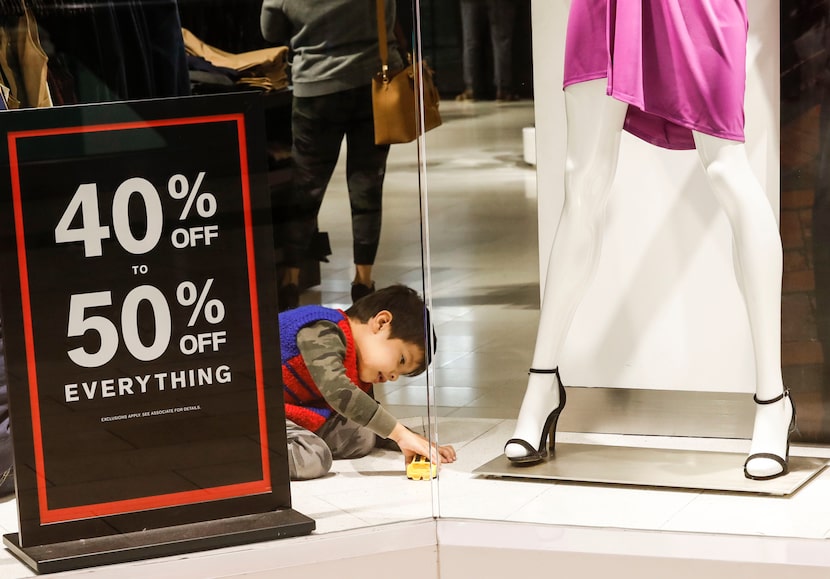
680,64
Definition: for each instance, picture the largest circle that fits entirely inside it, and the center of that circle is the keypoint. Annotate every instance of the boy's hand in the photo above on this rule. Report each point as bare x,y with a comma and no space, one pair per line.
413,444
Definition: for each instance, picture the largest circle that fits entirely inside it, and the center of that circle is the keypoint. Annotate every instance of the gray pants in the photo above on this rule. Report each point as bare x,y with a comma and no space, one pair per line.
310,454
499,17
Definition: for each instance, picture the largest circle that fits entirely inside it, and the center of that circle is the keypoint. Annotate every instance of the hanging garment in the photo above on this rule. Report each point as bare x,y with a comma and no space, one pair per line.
23,62
680,65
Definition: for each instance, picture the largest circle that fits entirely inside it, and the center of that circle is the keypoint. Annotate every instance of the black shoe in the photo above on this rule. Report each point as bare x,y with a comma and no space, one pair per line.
535,455
466,96
504,96
288,297
361,291
783,461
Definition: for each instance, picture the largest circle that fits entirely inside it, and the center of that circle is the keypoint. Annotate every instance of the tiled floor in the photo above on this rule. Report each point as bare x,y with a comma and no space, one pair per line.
484,295
485,300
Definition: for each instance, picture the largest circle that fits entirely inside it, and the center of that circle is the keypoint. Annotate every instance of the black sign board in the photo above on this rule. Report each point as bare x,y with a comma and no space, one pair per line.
140,319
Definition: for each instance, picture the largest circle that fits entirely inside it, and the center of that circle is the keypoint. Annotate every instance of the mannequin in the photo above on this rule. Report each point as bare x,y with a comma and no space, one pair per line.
595,124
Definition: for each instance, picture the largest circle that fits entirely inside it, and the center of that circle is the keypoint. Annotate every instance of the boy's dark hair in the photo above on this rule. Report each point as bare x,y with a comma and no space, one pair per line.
410,317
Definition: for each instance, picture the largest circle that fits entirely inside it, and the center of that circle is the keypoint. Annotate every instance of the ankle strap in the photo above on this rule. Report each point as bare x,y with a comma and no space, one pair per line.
537,371
786,392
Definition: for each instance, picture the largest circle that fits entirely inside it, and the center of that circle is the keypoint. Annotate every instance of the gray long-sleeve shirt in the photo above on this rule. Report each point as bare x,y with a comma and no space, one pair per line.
323,347
334,44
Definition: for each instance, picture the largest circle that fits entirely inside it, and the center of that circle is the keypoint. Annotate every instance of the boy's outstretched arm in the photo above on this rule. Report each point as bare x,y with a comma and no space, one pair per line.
413,444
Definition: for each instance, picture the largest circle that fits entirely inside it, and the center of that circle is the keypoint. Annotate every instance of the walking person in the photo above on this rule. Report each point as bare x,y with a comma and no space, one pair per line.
498,18
333,56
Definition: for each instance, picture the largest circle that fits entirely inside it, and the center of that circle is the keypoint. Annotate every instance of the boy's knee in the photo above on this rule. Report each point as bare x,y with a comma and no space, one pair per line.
359,444
346,438
308,459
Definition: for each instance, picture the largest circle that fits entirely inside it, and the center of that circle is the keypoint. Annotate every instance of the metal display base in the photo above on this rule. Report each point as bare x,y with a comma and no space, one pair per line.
163,542
656,467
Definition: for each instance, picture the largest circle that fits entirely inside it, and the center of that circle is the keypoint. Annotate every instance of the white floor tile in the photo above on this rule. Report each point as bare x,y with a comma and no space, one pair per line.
603,506
803,514
8,515
327,517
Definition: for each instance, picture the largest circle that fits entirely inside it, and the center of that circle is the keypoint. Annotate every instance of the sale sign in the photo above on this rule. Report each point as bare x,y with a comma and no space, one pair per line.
139,312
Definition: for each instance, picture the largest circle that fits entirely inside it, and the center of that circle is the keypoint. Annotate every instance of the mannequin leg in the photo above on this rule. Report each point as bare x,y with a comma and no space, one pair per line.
758,268
595,123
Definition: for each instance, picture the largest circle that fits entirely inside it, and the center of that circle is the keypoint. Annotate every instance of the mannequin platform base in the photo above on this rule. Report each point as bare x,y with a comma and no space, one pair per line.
656,467
167,541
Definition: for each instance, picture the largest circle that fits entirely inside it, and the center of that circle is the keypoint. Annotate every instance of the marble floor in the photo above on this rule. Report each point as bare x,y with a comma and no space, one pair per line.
483,287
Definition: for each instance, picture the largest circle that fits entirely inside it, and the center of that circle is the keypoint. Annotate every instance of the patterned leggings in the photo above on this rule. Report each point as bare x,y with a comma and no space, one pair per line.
319,125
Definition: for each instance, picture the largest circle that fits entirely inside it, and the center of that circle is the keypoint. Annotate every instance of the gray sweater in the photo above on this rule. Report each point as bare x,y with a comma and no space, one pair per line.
333,43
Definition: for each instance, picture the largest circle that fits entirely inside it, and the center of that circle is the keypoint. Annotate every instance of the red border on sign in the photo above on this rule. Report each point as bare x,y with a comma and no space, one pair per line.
48,515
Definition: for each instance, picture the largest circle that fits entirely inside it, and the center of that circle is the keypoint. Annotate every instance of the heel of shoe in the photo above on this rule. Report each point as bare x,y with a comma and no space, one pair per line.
553,418
288,297
549,431
360,290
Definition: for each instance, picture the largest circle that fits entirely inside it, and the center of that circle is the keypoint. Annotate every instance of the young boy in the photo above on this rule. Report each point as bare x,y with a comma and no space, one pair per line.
331,359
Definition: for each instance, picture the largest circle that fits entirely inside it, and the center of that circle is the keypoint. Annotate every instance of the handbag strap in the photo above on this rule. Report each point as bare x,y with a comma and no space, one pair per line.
383,46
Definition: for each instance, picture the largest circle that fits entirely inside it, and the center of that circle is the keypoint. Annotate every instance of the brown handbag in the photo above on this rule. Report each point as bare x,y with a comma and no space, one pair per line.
395,96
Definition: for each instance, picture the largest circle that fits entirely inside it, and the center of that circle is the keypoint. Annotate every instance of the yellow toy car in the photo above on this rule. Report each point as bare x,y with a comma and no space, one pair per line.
421,468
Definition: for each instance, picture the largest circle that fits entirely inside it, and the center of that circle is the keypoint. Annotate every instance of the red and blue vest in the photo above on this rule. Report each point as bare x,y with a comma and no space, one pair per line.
304,404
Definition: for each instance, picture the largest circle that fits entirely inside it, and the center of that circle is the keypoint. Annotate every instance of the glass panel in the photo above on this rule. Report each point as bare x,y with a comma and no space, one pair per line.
151,197
483,240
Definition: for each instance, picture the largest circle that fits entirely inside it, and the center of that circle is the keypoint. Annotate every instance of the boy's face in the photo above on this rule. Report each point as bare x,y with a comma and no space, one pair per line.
381,358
